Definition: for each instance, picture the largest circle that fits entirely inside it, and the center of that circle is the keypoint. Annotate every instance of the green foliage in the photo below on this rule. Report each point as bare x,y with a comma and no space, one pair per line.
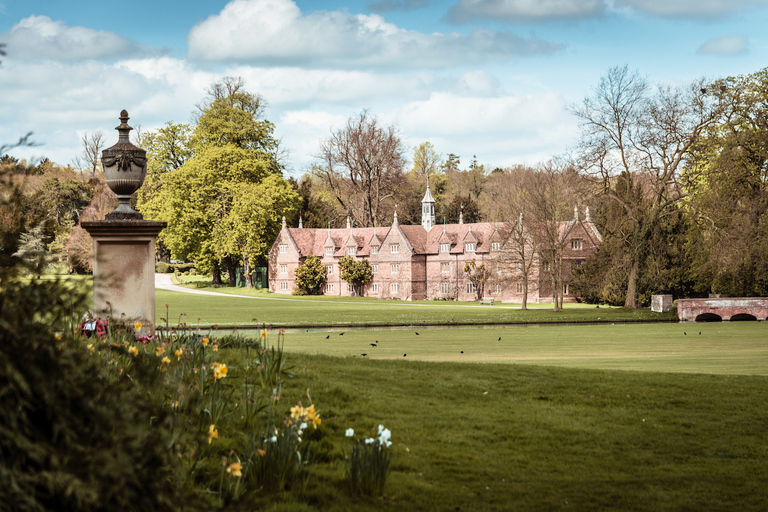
355,272
310,277
78,434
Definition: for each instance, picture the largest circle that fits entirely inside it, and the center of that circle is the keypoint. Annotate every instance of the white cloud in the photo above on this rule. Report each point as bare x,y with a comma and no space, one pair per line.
690,8
524,10
276,32
39,37
397,5
729,45
501,131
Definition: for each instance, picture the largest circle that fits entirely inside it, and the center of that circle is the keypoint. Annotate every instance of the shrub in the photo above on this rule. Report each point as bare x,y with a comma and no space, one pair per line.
162,267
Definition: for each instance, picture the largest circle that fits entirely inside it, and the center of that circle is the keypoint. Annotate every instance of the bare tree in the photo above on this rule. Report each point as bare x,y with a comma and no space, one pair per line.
360,167
93,143
646,137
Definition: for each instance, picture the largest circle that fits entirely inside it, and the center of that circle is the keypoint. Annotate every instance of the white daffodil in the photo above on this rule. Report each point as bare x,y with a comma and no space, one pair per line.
350,432
369,440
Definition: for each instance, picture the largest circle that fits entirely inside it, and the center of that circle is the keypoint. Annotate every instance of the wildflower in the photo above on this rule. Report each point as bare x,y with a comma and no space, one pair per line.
384,435
302,426
215,346
273,439
133,351
234,469
174,404
178,354
137,325
206,341
350,432
213,433
165,360
263,334
220,372
297,412
261,452
159,351
91,348
369,440
58,336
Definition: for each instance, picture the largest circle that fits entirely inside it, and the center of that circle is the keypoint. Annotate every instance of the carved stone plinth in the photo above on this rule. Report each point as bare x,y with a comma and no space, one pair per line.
124,269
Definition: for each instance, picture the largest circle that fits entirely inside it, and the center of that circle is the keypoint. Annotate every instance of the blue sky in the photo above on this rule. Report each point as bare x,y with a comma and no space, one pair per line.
492,78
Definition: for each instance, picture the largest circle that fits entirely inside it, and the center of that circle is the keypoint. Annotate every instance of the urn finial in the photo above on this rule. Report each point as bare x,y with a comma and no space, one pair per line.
125,167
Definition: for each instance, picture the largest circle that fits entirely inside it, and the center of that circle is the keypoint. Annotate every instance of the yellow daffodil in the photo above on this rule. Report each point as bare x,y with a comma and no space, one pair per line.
212,433
234,469
58,336
220,371
263,334
215,347
133,351
178,354
91,348
137,325
206,341
159,351
297,412
165,360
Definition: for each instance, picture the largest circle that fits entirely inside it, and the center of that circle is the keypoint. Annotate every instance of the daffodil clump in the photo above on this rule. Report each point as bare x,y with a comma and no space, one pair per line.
368,462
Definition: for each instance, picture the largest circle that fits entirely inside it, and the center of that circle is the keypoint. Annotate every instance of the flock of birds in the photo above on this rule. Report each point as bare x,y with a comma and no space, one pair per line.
376,344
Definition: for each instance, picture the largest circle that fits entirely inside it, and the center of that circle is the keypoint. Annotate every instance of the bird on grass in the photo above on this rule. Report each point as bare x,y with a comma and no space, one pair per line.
462,351
374,345
405,355
416,333
499,338
327,337
341,334
685,333
363,355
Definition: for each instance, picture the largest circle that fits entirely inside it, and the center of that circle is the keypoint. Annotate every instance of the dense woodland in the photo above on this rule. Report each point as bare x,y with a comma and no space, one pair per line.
675,178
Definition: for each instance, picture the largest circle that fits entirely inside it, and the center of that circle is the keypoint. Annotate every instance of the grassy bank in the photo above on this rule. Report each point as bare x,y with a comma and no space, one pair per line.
498,437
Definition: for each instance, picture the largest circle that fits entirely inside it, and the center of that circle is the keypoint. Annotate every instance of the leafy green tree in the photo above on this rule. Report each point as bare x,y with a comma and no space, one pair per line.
728,183
310,277
231,147
358,273
254,220
426,161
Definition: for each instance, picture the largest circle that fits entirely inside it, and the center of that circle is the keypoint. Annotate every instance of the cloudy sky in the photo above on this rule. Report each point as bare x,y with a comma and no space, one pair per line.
492,78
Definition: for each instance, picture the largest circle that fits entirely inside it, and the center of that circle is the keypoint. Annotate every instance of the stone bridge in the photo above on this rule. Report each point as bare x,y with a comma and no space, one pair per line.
703,310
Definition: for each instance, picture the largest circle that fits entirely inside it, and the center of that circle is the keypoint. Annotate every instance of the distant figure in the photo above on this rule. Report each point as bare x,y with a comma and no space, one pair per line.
328,337
416,333
374,345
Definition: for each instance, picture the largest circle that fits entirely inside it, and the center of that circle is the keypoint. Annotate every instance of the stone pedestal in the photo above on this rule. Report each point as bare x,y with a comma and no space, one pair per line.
124,269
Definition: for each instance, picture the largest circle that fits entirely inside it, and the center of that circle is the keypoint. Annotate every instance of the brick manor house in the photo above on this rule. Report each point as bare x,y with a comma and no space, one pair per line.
427,261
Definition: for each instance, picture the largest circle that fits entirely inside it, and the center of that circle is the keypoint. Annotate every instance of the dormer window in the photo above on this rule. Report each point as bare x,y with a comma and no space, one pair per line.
329,251
469,247
351,251
576,243
445,247
496,246
374,250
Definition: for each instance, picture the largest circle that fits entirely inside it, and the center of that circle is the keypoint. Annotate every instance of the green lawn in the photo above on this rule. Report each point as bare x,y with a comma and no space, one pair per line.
286,310
497,437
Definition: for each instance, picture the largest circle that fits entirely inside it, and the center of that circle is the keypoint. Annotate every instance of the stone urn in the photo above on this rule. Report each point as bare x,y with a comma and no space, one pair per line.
125,167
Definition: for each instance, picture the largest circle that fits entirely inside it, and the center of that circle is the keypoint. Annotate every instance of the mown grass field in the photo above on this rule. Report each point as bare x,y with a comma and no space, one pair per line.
288,311
497,437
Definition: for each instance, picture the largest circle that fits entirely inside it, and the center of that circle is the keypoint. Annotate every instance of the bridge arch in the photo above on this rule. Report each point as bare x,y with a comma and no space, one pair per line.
709,317
743,317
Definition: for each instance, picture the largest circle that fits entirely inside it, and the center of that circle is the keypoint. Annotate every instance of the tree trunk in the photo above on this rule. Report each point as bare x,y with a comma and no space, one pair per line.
631,301
525,294
216,274
248,273
232,271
